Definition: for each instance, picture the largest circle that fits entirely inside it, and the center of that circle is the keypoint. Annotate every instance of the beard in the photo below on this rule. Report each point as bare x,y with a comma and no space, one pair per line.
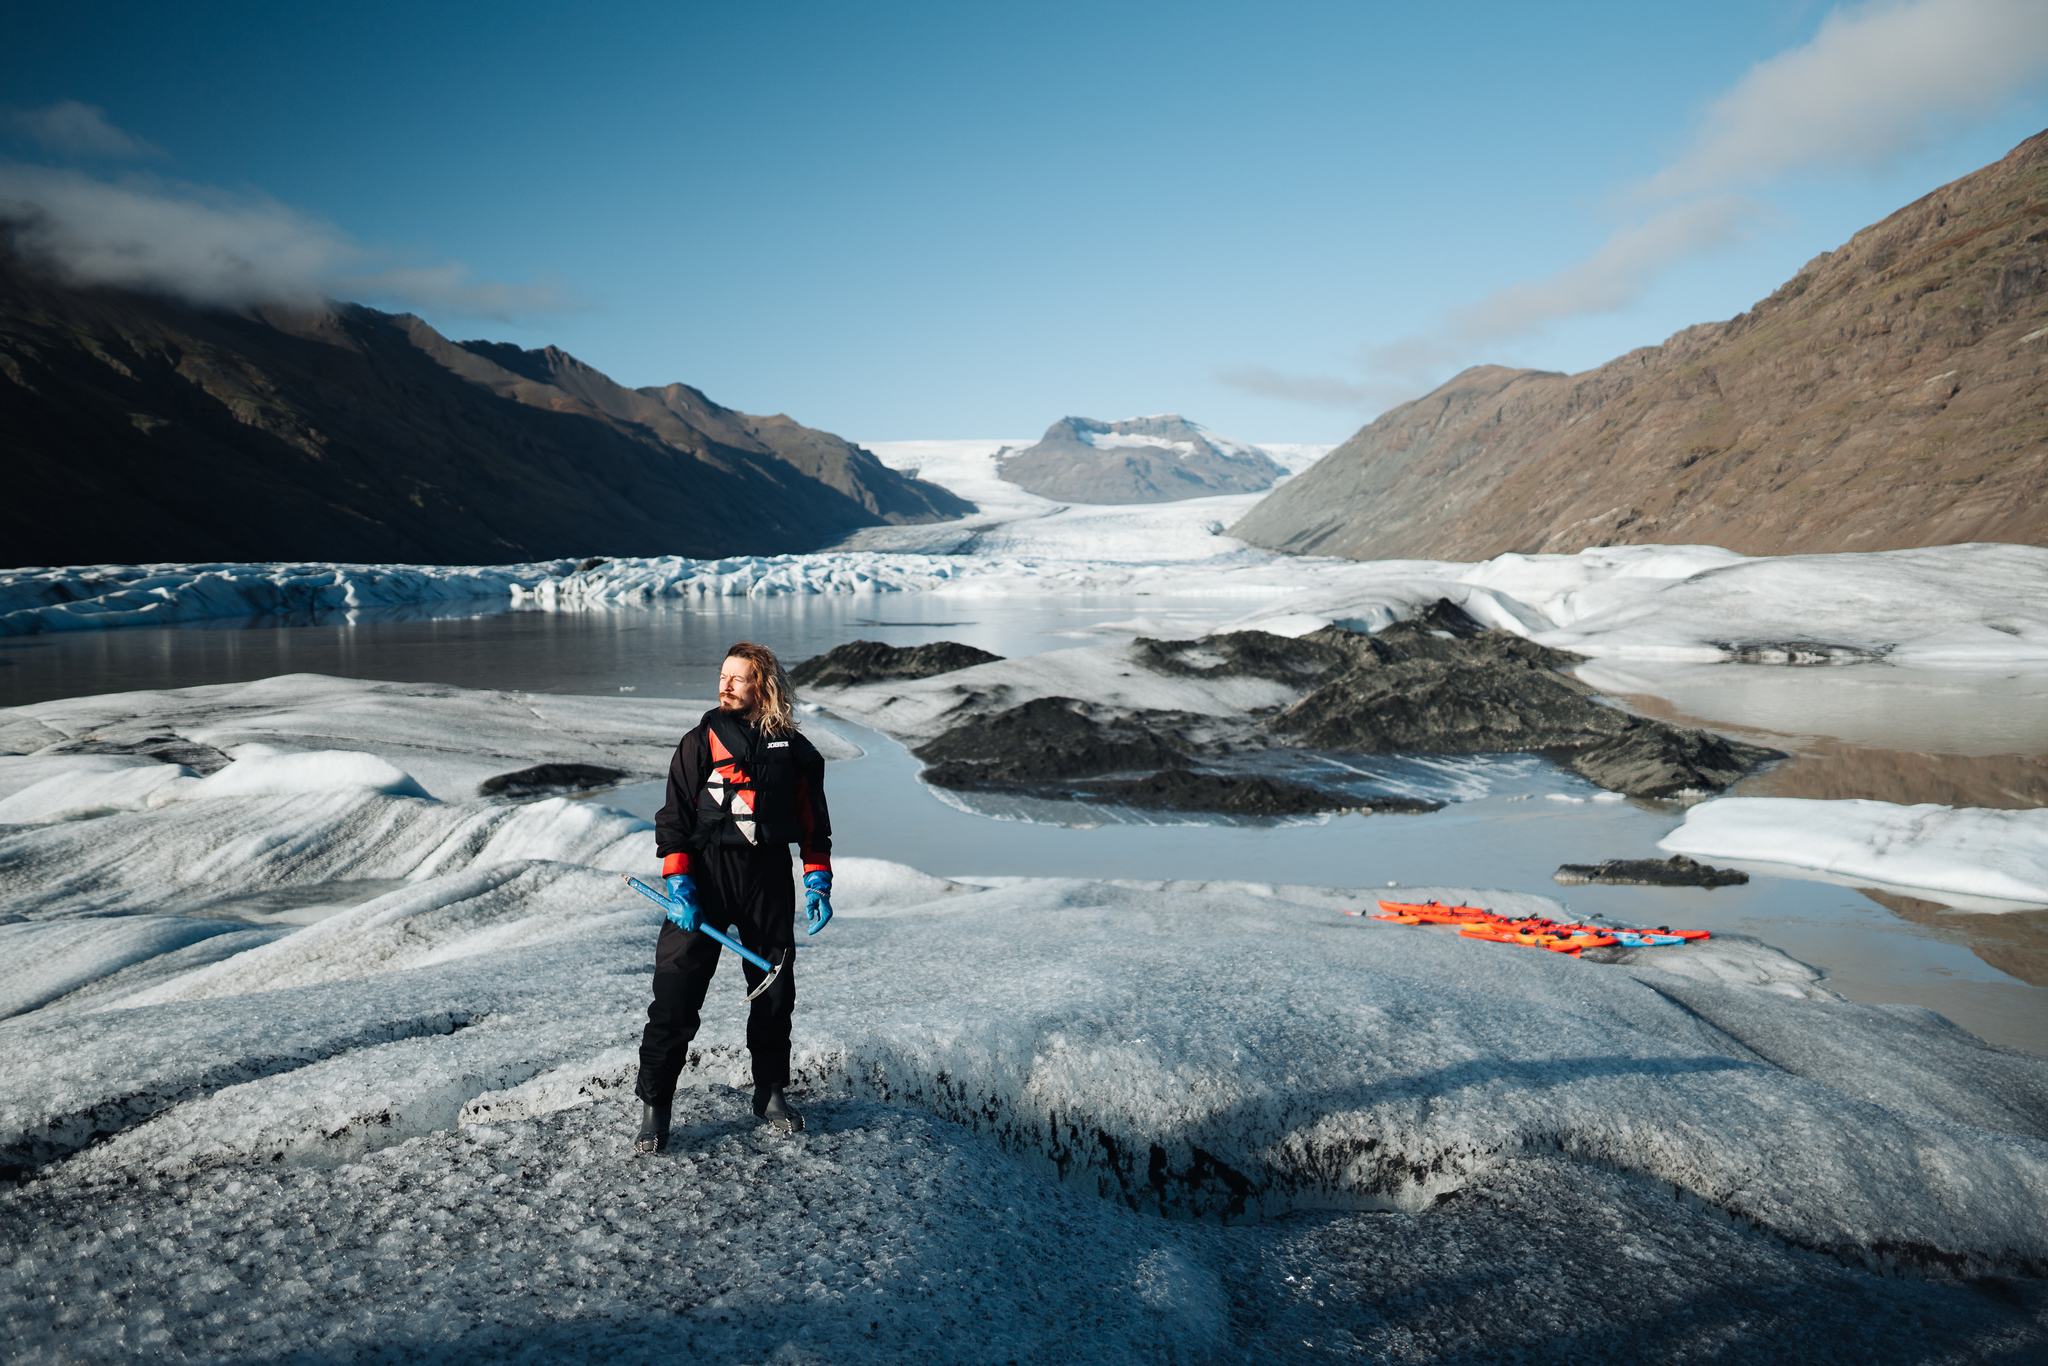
732,704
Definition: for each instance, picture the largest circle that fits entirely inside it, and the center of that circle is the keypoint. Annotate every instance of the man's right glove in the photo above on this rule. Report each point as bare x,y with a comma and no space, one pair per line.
685,913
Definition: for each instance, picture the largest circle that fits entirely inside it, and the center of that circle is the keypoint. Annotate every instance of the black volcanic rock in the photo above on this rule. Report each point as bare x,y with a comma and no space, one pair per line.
1438,683
871,661
1140,460
139,429
1676,871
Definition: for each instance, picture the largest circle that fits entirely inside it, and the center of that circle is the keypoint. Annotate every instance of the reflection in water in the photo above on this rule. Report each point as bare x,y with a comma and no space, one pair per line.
2015,943
1997,757
669,648
1871,706
447,609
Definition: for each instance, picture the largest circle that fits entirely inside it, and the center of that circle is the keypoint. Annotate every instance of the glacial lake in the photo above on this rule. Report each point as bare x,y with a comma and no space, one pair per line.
1863,730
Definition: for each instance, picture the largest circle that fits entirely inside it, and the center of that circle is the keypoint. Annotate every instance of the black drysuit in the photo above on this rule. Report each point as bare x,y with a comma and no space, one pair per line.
736,801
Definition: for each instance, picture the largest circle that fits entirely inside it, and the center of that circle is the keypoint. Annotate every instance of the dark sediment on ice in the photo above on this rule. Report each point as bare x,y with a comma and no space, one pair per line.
545,779
1047,739
1241,654
1655,759
164,748
1051,747
1677,871
871,661
1440,683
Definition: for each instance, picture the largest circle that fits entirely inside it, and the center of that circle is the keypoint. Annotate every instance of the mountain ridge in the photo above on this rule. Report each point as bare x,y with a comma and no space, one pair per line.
140,430
1894,393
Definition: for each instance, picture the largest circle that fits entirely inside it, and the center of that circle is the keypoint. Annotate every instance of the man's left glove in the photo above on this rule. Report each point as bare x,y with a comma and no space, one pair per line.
818,899
684,911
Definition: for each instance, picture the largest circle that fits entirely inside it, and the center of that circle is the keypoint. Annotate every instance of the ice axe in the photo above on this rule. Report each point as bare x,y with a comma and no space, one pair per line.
774,970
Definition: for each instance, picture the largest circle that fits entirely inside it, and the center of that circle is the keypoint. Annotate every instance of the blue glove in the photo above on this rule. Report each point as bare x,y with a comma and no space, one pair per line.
818,899
685,913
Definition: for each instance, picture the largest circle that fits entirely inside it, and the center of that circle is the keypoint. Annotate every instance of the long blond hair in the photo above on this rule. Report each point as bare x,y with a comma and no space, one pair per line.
776,701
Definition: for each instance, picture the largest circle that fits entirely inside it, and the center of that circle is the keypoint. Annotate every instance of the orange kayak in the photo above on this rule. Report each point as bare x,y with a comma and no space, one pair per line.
1570,940
1475,922
1430,913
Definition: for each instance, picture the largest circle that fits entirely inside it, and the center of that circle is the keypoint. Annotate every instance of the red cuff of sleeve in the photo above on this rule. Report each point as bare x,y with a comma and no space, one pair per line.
817,863
675,863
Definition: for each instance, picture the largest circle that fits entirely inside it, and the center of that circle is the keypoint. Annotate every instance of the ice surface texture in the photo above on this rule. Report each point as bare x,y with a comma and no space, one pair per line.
407,1130
1206,1050
891,1237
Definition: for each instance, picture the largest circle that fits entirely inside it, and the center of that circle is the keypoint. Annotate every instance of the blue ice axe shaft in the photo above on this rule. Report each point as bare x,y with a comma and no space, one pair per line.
720,935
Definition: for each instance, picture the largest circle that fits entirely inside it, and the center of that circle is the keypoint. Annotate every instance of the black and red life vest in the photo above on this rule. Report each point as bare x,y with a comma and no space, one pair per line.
754,784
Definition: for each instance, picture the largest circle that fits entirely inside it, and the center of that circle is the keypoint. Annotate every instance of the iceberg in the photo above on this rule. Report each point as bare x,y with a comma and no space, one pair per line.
1978,852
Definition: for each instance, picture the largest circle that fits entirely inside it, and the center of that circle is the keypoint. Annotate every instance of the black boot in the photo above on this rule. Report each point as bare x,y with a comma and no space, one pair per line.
770,1106
653,1127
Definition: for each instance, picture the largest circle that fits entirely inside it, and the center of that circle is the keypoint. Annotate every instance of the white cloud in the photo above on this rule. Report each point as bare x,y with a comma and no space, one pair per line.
1613,277
1876,82
210,247
79,130
1327,390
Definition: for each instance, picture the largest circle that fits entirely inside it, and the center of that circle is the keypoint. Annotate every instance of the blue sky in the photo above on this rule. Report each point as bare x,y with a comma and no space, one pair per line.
901,221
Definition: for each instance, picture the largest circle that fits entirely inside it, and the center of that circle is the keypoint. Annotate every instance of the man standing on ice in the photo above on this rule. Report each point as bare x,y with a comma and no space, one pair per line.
743,786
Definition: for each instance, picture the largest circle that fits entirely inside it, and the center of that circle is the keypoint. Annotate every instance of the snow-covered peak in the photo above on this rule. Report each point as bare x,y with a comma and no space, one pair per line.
1168,432
1156,459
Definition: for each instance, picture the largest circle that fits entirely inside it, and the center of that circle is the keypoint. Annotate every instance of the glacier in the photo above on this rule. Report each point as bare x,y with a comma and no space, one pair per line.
1052,1117
1962,605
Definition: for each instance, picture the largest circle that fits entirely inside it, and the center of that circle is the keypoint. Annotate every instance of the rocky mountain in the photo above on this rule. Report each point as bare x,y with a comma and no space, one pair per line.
1894,393
1159,459
138,429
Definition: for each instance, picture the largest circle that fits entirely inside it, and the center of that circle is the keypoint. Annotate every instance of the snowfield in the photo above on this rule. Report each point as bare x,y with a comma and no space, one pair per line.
405,1126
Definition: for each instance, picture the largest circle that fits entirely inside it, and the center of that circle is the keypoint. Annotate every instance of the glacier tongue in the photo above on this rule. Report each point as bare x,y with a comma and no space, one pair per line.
1956,605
